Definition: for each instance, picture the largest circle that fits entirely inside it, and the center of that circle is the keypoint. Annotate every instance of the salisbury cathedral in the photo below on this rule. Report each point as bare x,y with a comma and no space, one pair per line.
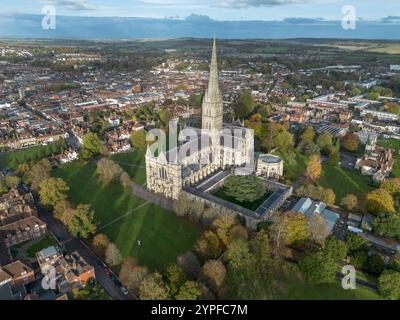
216,147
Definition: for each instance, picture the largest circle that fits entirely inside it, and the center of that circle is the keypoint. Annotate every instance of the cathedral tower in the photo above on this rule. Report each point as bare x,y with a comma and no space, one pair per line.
212,108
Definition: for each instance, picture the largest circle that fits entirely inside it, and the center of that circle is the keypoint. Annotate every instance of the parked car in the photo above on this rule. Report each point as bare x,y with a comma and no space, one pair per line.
124,290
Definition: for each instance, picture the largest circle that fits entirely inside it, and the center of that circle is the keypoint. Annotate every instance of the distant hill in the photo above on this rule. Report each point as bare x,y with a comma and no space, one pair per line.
78,27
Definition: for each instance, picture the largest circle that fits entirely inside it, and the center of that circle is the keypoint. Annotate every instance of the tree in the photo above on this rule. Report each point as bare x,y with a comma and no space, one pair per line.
238,232
138,139
245,104
314,168
108,170
296,227
389,285
284,141
209,245
394,262
164,117
222,226
388,224
324,142
113,255
82,223
63,211
52,191
359,259
174,277
355,92
350,142
376,263
239,256
190,290
190,264
318,267
307,137
12,181
391,185
349,202
39,172
336,248
125,180
91,146
380,201
334,157
22,169
214,273
373,96
329,197
127,267
355,242
261,250
100,244
153,288
317,229
244,188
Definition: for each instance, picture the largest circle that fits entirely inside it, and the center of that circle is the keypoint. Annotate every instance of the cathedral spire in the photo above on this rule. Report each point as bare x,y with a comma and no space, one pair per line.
212,108
213,88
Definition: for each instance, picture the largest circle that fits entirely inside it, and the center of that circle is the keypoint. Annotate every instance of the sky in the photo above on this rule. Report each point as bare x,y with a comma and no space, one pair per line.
215,9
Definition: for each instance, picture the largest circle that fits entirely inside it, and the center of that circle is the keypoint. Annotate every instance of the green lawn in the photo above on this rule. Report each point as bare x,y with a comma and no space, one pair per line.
46,242
294,287
12,159
295,164
133,163
163,235
343,182
109,201
248,205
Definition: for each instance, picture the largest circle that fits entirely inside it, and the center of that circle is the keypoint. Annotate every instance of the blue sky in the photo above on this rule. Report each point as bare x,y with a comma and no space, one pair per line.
216,9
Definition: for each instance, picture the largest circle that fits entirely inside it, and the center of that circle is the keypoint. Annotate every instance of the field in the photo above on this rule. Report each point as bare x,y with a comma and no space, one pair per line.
163,236
388,49
12,159
343,182
133,163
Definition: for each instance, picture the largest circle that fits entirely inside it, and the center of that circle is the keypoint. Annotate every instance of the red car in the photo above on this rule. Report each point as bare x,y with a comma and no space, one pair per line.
106,271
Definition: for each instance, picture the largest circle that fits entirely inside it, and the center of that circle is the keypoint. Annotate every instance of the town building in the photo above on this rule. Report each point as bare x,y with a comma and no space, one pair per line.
69,271
376,162
269,166
309,207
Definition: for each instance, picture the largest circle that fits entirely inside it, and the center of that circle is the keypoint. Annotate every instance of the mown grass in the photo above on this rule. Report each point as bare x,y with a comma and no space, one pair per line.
343,181
162,234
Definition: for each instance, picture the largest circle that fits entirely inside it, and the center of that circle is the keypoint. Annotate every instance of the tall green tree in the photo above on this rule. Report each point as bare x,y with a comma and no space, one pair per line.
82,223
318,267
91,146
245,104
52,191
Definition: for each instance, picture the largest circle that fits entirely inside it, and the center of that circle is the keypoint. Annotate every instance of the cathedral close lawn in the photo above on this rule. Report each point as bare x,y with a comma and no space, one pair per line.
163,236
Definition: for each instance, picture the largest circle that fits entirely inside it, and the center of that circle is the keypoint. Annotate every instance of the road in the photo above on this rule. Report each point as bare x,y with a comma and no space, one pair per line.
71,244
